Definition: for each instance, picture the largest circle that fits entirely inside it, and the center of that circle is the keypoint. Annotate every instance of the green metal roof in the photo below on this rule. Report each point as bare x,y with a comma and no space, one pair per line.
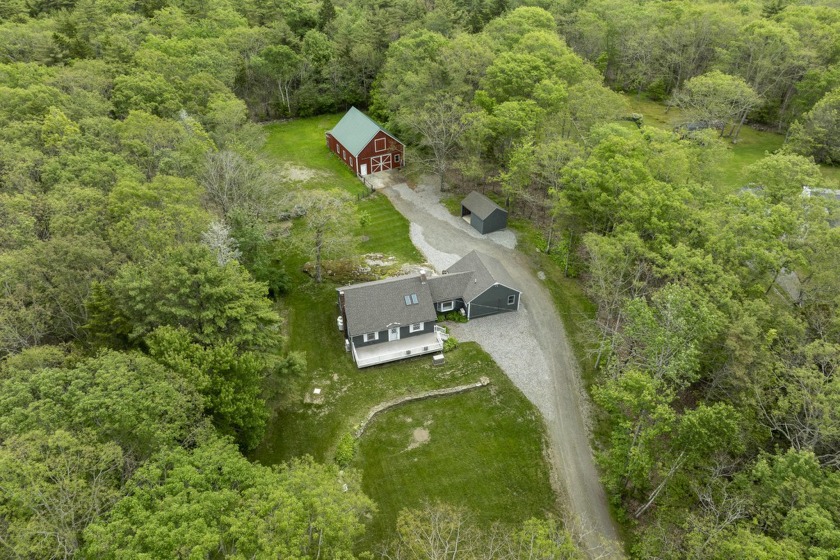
355,130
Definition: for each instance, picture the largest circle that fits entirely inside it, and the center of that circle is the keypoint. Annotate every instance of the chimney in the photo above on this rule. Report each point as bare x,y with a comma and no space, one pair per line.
422,275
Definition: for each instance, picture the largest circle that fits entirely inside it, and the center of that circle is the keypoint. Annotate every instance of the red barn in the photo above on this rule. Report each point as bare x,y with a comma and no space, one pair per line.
364,145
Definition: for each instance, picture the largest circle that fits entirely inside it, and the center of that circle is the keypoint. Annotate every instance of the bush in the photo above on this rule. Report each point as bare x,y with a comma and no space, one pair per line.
450,343
346,450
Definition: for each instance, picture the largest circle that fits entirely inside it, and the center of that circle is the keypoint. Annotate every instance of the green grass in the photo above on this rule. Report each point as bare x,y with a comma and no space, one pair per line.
301,143
752,144
484,452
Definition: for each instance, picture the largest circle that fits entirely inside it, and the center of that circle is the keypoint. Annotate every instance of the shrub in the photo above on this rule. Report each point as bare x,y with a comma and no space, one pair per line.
346,449
450,343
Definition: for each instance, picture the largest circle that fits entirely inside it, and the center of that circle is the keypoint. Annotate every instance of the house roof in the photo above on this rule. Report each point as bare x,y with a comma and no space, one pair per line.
486,272
449,286
355,130
376,306
480,205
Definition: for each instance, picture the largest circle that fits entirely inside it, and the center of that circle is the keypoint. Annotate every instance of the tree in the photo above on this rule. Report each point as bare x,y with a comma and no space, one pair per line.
817,133
783,176
54,486
440,125
43,290
211,500
716,99
234,183
121,398
327,217
187,288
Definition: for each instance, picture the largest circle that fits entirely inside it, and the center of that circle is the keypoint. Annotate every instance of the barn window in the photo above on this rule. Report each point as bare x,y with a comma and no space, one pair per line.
396,158
511,300
351,160
379,145
447,306
370,337
415,327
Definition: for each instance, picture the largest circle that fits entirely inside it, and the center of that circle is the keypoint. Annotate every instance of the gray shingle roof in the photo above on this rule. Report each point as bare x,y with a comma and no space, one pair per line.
449,286
355,130
486,270
480,205
376,306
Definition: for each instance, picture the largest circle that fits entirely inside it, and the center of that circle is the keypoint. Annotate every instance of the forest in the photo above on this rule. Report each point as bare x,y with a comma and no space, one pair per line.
143,252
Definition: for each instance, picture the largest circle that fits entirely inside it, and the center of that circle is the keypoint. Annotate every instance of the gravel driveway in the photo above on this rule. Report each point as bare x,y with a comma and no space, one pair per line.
530,346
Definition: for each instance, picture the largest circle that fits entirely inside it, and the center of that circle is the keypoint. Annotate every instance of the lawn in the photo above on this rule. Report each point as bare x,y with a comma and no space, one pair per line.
752,144
485,449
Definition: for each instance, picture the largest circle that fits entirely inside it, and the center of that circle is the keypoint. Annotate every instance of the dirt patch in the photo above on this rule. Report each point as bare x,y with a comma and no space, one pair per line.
299,174
419,436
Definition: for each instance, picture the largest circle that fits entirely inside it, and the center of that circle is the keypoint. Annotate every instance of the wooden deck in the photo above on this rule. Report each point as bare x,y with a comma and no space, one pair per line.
398,349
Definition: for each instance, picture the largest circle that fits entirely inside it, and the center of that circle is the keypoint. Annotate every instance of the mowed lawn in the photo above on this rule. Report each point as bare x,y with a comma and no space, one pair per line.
752,145
485,447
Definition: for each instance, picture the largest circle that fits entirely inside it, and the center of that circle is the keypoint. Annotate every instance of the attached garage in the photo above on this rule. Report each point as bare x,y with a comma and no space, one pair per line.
489,289
363,145
482,213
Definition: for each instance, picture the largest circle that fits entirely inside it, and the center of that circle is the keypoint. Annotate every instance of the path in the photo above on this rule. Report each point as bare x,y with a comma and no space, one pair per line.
530,346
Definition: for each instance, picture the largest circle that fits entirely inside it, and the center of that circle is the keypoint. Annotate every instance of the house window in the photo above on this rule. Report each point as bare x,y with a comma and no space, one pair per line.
379,145
415,327
396,158
511,300
447,306
351,160
370,337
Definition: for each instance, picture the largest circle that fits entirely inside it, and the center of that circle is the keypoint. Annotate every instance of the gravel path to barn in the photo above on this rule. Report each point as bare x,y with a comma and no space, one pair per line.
530,346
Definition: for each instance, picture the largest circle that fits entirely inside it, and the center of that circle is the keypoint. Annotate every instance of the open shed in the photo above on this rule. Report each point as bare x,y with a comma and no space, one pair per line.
482,213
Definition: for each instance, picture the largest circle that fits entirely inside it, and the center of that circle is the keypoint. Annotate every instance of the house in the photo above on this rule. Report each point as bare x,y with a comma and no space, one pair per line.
395,318
363,145
482,213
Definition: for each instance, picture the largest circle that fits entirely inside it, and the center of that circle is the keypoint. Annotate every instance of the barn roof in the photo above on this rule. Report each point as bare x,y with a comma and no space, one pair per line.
486,271
480,205
376,306
355,130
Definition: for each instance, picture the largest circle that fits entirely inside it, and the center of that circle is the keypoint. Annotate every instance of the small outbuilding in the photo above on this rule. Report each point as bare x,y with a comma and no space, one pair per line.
363,145
482,213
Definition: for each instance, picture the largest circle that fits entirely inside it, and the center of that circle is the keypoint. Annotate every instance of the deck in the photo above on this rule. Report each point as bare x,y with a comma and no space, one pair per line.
398,349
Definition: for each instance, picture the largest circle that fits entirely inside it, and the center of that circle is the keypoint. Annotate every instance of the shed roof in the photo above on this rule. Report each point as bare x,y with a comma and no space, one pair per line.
376,306
355,130
480,205
486,270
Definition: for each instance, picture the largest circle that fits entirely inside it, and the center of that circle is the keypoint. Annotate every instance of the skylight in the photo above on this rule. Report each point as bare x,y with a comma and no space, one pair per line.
414,298
411,300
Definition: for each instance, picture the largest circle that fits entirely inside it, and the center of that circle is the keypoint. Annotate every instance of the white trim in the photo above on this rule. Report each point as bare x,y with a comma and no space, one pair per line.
450,304
370,337
415,327
376,144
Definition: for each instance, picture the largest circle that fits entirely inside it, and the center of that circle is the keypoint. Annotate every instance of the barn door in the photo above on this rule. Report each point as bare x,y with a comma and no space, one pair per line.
364,169
380,163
